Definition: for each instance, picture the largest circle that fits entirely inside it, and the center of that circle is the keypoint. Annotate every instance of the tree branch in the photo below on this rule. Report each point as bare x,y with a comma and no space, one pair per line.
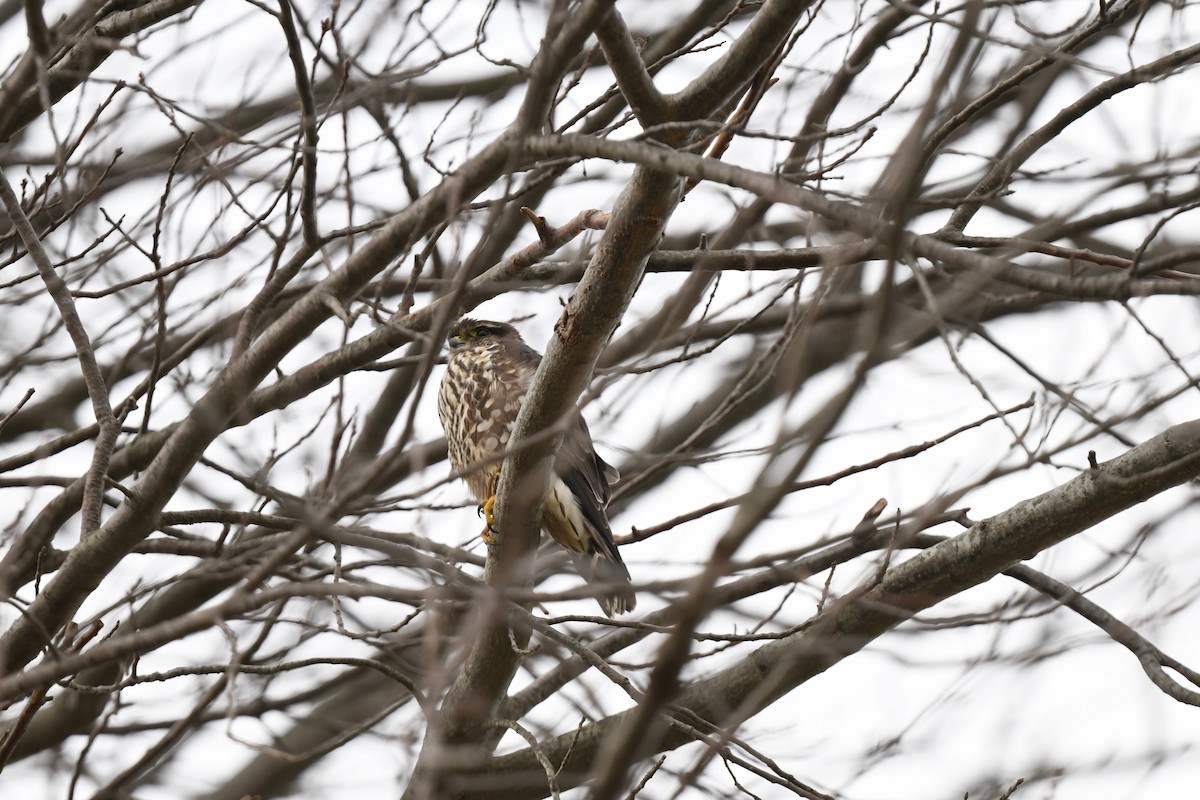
987,549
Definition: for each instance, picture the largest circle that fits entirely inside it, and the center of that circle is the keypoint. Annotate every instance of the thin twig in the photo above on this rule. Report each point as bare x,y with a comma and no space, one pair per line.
93,497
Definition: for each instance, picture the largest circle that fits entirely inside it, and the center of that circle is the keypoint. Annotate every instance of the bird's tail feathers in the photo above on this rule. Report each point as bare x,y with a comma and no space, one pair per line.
612,578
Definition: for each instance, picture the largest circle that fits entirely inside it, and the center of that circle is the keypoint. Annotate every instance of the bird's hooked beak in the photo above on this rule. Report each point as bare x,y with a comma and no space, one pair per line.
456,341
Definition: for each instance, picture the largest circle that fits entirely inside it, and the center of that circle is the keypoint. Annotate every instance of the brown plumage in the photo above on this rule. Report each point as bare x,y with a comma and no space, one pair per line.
487,377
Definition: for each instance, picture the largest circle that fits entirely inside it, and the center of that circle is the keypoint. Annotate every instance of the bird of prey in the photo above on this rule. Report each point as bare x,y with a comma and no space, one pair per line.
487,377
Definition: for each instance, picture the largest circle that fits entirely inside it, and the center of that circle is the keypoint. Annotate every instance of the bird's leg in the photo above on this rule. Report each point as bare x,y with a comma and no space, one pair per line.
488,533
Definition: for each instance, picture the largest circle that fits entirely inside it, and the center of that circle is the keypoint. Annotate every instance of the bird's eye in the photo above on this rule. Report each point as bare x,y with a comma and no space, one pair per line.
482,332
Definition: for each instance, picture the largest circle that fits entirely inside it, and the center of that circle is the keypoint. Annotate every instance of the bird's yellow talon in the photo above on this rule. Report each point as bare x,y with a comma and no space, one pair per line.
485,509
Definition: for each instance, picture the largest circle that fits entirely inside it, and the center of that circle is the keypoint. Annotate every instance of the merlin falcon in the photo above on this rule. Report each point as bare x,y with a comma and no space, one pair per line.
487,377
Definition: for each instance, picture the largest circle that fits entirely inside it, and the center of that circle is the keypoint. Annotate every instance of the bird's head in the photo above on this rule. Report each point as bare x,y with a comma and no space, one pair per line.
475,332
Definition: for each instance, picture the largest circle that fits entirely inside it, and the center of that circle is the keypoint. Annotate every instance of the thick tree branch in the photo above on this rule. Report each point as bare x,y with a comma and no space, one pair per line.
627,65
724,81
591,315
985,550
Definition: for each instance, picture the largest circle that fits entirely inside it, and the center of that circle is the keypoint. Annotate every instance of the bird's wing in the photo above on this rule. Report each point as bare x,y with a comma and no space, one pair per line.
577,457
586,475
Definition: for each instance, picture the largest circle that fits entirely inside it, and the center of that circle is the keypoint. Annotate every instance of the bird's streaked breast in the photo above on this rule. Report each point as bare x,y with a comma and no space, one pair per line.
478,402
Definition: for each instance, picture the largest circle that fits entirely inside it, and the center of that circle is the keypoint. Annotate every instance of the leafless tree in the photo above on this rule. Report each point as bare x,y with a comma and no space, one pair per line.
871,303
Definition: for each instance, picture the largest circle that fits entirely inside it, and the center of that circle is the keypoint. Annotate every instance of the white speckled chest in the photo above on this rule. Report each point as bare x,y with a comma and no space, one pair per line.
478,401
